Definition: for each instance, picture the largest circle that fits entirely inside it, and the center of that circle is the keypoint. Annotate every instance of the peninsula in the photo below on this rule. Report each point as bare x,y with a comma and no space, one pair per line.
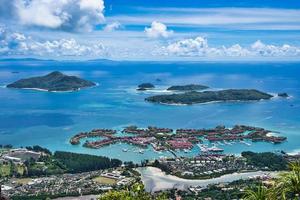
55,81
190,87
194,97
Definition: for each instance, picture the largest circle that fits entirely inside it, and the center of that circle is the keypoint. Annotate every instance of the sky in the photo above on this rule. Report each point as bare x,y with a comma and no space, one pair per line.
150,29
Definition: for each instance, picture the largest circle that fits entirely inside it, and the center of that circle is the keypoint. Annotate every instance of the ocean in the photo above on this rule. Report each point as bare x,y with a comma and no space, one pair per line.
49,119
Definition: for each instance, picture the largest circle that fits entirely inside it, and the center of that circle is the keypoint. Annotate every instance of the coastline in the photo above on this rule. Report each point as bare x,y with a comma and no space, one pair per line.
54,91
155,180
210,102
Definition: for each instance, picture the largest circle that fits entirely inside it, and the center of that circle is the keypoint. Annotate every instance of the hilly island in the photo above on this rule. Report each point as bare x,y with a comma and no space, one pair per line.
195,97
190,87
55,81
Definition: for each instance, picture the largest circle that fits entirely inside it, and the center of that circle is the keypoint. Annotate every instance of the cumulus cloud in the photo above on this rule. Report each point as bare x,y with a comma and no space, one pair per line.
157,30
69,15
198,47
112,27
14,43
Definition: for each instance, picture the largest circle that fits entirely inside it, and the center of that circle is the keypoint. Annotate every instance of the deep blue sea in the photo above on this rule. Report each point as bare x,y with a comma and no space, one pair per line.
29,117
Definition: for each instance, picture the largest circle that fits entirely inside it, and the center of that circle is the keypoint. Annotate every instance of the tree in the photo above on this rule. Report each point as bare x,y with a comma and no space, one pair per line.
134,192
258,193
288,183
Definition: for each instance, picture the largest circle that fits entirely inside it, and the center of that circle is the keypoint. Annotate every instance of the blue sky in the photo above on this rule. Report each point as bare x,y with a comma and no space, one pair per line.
150,29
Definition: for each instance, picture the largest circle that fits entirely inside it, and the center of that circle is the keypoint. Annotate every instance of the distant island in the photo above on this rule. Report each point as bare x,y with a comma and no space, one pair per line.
284,95
190,87
145,86
194,97
55,81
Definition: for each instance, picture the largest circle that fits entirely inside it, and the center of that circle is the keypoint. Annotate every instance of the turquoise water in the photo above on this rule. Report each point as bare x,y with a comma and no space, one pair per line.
30,117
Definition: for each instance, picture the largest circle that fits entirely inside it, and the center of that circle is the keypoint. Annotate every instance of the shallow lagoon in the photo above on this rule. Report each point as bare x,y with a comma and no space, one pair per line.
30,117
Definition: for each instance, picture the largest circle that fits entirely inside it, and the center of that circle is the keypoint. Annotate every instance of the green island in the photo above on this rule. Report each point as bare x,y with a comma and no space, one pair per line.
145,86
195,97
55,81
190,87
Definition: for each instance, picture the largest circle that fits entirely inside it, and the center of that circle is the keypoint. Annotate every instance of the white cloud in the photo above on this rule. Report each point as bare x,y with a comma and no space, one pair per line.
20,44
235,18
198,47
112,27
69,15
157,30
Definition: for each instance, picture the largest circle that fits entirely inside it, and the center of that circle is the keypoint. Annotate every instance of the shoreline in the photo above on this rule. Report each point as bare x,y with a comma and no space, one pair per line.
156,180
54,91
209,102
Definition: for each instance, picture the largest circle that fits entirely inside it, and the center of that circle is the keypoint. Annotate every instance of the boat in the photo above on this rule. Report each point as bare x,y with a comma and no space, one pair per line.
203,147
228,143
141,151
215,149
243,142
220,143
124,150
186,151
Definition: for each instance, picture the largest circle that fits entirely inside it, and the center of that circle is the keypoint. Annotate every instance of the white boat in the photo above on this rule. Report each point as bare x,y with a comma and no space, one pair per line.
124,150
243,142
220,143
228,143
203,147
186,151
215,149
141,151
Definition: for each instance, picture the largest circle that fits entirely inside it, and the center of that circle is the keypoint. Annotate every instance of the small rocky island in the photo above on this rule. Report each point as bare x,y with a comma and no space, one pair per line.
194,97
55,81
145,86
284,95
190,87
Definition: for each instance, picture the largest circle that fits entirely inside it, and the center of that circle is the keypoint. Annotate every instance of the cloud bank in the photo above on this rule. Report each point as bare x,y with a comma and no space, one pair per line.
14,43
158,30
198,47
68,15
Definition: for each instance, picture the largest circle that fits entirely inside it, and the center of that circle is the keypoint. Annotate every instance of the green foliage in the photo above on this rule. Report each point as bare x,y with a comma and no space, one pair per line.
258,193
287,186
134,192
55,81
76,163
267,159
208,96
38,148
288,183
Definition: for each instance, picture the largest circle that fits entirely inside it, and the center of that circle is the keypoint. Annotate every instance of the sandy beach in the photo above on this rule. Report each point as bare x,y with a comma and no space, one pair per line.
155,180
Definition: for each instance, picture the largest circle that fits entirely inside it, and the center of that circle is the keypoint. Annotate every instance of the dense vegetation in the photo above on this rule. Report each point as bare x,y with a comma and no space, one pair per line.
55,81
58,163
190,87
75,162
145,86
267,159
210,96
134,192
286,186
217,193
38,148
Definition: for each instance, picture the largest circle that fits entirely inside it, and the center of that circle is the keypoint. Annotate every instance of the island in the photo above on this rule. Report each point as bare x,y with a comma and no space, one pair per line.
145,86
55,81
190,87
167,139
194,97
284,95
